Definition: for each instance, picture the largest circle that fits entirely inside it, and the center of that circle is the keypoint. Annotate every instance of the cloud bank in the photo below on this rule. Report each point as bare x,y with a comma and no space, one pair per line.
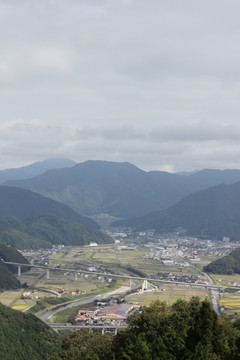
156,83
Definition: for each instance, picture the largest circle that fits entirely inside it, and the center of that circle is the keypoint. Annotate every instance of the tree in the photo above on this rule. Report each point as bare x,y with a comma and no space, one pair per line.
85,345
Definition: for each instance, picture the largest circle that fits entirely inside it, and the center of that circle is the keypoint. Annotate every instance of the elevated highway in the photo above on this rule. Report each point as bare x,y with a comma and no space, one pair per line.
206,286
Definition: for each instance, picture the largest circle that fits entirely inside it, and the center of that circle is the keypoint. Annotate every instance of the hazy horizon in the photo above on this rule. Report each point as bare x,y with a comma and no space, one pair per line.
145,169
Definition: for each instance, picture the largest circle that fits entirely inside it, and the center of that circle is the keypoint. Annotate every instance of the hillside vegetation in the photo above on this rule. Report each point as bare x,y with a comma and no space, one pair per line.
121,189
184,331
23,336
45,231
226,265
7,279
9,254
213,213
27,204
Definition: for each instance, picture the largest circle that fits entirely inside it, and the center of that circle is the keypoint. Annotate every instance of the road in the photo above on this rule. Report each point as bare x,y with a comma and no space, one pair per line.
214,290
49,313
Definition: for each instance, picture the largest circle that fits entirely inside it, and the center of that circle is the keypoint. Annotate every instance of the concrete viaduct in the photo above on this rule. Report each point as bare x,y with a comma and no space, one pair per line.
131,278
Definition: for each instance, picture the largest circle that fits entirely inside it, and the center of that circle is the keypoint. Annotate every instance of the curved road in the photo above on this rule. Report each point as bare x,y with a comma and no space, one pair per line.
49,313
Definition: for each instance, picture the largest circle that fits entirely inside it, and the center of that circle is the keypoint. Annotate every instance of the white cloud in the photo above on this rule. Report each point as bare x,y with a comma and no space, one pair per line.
156,83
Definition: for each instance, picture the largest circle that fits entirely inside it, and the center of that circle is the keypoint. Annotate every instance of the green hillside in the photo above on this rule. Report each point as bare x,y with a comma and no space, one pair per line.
27,204
121,189
7,253
213,213
7,279
45,231
23,336
226,265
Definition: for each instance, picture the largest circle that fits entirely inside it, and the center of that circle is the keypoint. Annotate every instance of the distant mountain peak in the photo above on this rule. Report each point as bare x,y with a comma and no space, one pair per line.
34,169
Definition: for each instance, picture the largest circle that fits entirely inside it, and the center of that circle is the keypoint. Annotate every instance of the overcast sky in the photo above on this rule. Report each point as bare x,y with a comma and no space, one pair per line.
152,82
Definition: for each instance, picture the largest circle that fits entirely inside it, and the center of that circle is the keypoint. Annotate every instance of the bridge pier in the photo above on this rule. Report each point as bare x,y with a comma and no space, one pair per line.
75,277
19,271
102,279
103,331
130,283
48,274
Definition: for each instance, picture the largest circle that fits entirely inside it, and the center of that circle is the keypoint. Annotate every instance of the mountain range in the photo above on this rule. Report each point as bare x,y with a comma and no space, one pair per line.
34,169
214,213
120,189
203,203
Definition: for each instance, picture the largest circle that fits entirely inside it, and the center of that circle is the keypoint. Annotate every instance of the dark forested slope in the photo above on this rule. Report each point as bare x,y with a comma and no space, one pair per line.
214,213
8,254
27,204
226,265
24,336
7,279
45,231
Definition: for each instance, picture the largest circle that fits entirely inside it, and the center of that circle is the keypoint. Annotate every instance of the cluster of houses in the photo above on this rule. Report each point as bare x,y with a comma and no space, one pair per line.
116,314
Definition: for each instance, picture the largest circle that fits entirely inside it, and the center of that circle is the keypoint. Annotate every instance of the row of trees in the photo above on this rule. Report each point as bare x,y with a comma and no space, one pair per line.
185,331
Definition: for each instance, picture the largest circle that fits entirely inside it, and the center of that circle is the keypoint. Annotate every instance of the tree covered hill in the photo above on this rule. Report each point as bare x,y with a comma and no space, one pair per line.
121,189
23,336
226,265
214,213
7,279
27,204
8,254
45,231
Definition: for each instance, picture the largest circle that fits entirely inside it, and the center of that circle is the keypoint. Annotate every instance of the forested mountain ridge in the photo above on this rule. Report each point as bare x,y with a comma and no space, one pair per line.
121,189
214,213
45,231
228,264
27,204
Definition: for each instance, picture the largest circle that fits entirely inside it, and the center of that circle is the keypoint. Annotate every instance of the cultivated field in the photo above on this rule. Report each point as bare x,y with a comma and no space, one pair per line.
168,294
230,303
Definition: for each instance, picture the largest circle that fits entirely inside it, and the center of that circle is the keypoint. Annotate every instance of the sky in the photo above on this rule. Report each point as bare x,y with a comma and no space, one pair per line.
152,82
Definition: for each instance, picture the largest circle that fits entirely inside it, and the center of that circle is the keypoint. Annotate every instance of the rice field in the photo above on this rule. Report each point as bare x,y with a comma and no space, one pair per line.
231,303
9,296
170,295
